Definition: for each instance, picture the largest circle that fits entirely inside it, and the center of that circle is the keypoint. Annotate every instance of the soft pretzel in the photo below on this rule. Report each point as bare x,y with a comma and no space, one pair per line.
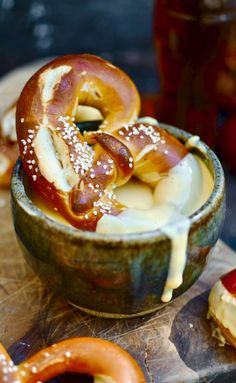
96,357
77,173
9,151
55,154
154,151
222,306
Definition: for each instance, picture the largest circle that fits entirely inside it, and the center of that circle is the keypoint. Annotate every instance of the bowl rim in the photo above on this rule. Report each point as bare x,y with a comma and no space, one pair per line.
128,239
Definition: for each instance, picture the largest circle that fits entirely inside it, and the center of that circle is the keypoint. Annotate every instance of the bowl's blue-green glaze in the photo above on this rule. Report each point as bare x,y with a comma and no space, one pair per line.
114,275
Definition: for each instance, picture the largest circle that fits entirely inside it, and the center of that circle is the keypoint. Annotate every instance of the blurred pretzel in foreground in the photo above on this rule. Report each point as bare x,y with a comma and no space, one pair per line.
103,360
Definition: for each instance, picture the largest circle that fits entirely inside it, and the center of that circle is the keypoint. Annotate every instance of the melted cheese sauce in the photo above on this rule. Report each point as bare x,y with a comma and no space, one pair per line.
182,191
178,233
177,195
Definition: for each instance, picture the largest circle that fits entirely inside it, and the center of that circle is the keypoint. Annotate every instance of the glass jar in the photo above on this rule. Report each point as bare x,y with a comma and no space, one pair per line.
196,54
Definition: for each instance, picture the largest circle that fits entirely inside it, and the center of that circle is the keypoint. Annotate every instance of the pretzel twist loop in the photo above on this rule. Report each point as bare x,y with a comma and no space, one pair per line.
77,173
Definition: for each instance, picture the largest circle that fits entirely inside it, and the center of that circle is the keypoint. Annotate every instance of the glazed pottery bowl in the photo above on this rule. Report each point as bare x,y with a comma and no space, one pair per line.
115,275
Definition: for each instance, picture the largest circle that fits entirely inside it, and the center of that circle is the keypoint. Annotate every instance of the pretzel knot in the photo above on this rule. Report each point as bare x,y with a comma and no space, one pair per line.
103,360
76,173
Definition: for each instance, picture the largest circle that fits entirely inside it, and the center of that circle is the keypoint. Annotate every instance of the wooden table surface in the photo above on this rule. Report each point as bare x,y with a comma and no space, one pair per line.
173,345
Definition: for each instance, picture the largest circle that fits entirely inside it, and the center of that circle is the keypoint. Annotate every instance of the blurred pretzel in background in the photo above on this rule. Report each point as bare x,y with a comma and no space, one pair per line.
9,151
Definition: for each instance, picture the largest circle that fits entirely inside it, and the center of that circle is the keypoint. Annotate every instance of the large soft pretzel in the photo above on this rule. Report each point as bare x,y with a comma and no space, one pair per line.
77,173
103,360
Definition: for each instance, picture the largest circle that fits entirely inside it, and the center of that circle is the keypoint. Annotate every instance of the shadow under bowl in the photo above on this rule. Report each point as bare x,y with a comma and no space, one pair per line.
115,275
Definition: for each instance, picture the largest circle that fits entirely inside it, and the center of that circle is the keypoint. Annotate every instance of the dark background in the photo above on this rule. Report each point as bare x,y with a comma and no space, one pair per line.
118,30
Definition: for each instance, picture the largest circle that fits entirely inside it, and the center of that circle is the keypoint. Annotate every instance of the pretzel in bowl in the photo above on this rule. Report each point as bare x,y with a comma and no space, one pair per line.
76,174
9,151
103,360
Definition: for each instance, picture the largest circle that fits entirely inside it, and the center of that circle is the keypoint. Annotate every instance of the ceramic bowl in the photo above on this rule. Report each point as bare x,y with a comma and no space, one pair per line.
115,275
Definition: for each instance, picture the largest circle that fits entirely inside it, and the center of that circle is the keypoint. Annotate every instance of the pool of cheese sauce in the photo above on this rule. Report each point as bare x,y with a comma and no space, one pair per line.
167,207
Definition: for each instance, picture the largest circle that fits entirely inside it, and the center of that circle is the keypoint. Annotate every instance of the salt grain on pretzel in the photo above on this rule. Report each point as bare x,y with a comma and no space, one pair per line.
154,151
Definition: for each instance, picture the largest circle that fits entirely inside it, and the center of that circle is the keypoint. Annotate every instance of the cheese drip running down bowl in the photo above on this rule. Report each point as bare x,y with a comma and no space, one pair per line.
185,188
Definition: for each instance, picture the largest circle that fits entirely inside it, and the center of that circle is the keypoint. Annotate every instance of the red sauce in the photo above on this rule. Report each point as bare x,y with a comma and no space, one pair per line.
229,282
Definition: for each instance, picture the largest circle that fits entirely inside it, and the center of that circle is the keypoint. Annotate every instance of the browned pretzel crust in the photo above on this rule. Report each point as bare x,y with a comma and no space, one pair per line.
92,356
